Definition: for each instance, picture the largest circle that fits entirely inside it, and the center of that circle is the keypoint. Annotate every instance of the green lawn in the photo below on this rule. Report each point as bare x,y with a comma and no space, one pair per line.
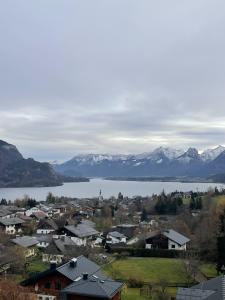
36,265
151,270
132,294
208,270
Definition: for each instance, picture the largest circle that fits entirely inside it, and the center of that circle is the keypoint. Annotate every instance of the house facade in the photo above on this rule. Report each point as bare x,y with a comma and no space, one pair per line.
11,225
166,240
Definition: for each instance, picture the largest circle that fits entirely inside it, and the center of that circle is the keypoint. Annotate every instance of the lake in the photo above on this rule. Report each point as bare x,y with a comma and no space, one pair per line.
108,187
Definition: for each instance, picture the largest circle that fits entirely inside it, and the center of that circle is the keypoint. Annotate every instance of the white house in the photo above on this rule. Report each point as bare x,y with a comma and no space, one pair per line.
115,237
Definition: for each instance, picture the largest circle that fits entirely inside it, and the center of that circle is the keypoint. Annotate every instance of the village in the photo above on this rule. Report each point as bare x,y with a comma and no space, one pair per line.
146,247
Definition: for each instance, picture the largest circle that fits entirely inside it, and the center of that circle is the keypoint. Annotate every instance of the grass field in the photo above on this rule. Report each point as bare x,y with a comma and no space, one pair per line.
132,294
208,270
36,265
151,270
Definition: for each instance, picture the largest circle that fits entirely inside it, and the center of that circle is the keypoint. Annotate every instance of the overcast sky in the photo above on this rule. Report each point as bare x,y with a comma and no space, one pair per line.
111,76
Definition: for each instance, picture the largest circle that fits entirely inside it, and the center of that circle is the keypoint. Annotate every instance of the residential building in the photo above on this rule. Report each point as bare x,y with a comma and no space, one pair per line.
81,234
115,237
212,289
79,278
28,244
11,225
166,239
46,226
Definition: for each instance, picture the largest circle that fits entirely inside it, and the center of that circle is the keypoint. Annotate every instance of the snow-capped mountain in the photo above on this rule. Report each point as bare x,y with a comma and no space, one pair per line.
163,161
170,153
211,154
189,156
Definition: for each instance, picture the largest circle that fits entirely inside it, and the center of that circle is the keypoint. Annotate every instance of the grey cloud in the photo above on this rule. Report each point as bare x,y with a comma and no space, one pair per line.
111,76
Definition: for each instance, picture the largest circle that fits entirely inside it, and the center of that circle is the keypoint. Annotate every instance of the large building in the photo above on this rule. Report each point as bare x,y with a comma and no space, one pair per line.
79,279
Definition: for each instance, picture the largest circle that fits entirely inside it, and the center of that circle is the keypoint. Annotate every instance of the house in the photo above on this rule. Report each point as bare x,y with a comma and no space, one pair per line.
46,226
44,240
212,289
5,213
129,230
115,237
81,234
79,278
166,239
39,215
92,287
27,243
11,225
52,254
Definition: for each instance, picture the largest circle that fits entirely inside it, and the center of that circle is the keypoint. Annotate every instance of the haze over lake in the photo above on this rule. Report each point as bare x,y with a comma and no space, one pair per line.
108,188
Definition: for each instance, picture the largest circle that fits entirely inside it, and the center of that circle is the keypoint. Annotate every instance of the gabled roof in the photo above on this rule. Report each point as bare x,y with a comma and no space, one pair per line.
97,284
46,223
25,241
4,212
171,235
82,230
212,289
116,234
94,287
64,243
83,265
39,215
176,237
11,221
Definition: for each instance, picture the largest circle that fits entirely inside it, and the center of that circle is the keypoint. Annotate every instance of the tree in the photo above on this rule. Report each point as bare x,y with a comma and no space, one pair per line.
144,215
3,202
9,290
50,198
120,196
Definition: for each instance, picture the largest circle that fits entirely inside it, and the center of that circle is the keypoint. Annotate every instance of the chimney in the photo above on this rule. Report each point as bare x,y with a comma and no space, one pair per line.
73,263
85,276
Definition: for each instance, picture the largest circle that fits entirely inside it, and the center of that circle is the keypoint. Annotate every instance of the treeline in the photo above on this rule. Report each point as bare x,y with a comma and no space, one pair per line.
168,205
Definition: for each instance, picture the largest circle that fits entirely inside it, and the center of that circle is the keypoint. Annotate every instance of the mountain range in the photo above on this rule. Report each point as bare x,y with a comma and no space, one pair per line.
162,162
16,171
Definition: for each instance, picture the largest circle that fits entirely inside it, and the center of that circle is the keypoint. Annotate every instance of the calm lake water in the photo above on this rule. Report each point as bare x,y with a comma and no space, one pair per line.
108,187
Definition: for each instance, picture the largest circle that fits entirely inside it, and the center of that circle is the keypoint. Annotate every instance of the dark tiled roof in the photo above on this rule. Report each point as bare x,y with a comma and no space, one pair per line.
81,230
213,289
64,243
94,287
11,221
116,234
170,234
25,241
47,223
83,265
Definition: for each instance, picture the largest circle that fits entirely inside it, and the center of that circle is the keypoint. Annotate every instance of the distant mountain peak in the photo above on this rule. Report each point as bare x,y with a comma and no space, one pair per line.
211,154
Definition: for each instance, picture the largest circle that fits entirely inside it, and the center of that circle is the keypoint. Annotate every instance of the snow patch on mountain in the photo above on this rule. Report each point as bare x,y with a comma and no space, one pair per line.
211,154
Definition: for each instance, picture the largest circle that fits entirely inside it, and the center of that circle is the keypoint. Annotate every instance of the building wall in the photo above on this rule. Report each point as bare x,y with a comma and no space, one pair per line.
174,246
44,231
52,281
76,297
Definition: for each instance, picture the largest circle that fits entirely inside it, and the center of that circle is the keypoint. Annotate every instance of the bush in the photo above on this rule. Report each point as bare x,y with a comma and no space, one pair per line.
135,283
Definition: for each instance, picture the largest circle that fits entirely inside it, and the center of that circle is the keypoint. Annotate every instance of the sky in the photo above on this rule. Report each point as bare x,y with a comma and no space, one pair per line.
111,76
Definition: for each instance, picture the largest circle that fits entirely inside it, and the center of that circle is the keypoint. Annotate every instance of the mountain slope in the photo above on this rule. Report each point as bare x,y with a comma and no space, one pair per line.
16,171
161,162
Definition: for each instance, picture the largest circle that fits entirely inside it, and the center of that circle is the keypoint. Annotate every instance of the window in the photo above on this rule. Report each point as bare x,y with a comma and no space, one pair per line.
173,246
57,285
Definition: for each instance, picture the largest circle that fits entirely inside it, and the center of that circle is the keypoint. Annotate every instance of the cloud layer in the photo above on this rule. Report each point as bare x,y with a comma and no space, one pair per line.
111,76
